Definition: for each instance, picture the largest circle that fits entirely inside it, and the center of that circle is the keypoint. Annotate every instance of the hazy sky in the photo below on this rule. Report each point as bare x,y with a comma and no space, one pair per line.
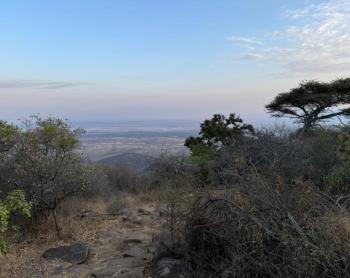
157,59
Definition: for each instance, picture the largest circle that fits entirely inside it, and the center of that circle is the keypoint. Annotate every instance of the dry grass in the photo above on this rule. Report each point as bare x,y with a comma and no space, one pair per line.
267,233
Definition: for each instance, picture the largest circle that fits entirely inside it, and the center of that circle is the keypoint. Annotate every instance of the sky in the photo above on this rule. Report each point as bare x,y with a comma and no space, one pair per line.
156,59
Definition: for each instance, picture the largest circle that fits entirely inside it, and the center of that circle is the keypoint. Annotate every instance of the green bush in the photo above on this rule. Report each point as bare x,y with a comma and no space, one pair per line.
14,202
48,166
43,159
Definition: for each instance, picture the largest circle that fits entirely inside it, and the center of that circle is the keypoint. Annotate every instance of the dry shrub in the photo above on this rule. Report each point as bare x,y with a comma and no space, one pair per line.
76,205
121,178
117,204
259,229
170,169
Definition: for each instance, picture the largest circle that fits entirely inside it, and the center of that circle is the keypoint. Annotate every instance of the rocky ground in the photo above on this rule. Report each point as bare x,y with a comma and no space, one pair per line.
107,245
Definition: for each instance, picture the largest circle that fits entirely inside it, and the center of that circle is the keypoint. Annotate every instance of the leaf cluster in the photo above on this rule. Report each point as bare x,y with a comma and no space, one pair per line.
14,202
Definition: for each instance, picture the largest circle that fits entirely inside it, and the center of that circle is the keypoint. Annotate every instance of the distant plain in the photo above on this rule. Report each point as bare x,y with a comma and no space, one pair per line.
133,143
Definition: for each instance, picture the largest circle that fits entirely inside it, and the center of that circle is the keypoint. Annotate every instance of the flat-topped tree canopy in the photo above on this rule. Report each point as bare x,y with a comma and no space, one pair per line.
313,102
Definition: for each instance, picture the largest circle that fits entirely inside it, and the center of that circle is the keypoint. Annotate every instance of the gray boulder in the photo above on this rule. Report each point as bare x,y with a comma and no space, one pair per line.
76,253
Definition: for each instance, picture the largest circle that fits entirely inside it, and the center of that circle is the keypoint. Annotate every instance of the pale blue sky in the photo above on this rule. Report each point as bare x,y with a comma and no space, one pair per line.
147,59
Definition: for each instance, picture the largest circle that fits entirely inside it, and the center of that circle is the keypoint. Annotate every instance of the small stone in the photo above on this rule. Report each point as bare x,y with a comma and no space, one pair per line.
132,241
137,220
144,212
227,274
124,211
58,270
136,252
89,214
170,268
164,212
103,273
124,217
136,272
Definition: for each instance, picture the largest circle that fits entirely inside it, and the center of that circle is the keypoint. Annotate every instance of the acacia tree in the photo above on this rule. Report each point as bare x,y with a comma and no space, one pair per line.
313,102
219,131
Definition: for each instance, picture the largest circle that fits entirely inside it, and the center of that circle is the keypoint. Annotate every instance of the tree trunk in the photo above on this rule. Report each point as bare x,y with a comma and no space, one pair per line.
58,231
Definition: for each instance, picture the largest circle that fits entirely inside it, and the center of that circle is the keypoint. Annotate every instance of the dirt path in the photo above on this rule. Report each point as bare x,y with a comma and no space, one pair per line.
125,252
119,246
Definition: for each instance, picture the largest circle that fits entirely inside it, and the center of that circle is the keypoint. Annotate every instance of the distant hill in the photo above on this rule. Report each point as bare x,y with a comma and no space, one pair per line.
133,160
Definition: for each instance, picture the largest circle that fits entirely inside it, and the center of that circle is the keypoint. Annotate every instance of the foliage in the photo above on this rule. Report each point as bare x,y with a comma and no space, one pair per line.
95,182
121,178
14,202
274,155
313,102
48,167
338,180
281,156
218,131
8,136
260,228
168,167
216,134
43,159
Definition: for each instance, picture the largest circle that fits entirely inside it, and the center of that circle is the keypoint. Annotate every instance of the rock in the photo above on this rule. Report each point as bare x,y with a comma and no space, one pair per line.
103,273
139,252
76,253
125,211
125,214
132,241
137,237
107,247
58,271
89,214
170,268
161,244
129,262
144,212
136,272
227,274
163,212
124,217
137,220
134,252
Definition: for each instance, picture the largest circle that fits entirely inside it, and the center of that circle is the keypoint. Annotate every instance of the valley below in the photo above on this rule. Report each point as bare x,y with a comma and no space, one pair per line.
134,144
